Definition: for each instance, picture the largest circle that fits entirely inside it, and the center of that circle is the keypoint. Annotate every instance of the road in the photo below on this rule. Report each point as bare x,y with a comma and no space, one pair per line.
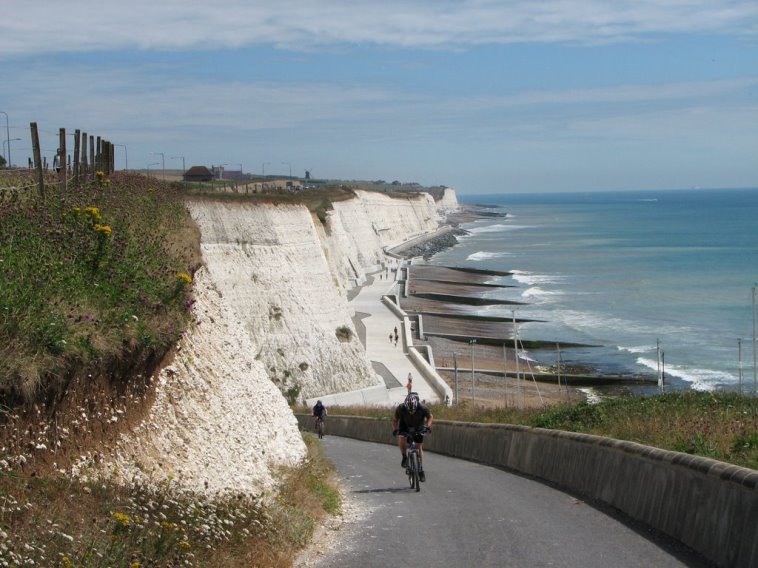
473,515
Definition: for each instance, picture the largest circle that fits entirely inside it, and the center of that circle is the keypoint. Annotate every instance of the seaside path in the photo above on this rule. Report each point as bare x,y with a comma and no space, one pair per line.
379,321
469,514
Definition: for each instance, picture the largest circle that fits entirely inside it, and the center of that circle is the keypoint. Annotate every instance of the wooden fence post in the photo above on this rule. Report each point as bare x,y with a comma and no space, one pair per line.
98,155
76,156
37,160
92,156
84,170
61,160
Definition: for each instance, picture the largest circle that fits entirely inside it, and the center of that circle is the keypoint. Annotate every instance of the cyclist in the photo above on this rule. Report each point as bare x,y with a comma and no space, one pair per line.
411,414
319,413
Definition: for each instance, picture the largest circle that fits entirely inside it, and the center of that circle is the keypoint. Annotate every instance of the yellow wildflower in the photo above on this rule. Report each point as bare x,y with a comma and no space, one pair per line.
184,544
93,212
104,230
184,277
100,174
122,519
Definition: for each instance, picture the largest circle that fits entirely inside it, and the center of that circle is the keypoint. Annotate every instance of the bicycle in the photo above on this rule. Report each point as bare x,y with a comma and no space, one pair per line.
320,426
412,454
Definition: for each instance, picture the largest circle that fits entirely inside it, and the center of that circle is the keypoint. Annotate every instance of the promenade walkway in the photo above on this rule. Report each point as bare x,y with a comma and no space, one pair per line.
388,358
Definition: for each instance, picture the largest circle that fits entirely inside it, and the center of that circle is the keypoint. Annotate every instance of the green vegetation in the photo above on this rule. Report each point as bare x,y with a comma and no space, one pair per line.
61,522
344,333
722,426
91,277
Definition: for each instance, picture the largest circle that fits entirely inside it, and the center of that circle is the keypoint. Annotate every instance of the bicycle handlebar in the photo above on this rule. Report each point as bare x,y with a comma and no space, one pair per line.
423,431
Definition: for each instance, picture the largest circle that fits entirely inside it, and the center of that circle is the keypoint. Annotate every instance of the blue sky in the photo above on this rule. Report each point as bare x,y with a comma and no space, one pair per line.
484,96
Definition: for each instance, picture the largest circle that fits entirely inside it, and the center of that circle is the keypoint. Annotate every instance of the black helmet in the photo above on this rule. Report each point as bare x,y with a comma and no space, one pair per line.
411,402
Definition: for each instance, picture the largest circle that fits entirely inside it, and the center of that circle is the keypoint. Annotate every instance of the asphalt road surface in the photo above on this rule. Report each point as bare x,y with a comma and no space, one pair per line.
473,515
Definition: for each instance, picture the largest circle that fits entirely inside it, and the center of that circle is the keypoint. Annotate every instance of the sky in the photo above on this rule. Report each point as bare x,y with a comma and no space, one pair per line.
485,96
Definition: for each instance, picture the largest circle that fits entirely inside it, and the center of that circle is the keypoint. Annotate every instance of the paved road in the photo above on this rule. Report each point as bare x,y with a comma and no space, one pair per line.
472,515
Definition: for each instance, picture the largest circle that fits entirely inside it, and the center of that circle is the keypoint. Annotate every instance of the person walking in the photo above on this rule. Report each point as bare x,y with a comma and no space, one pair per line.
409,386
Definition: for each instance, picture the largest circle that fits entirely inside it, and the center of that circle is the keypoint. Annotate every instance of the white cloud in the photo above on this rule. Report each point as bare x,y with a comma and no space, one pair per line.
45,26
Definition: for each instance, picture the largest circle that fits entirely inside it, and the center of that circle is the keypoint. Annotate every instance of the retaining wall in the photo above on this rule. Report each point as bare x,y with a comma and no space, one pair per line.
710,506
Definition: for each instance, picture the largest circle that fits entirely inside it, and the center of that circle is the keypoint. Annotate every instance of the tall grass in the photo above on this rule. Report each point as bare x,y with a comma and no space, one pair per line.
90,276
718,425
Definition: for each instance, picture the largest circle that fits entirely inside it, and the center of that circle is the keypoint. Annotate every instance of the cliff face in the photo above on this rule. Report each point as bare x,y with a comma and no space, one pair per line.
272,311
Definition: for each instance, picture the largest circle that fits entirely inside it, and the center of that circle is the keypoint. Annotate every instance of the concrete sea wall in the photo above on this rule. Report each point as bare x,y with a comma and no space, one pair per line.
710,506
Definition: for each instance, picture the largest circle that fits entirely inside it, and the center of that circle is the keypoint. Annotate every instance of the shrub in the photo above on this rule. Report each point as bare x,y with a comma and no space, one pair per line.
344,333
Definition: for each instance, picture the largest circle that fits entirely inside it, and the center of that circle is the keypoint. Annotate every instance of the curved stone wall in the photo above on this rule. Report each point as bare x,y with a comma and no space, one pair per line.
708,505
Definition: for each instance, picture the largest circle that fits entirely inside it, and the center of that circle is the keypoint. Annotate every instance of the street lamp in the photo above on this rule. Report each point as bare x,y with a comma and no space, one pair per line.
263,168
148,167
8,142
182,159
472,341
163,161
8,137
126,156
290,165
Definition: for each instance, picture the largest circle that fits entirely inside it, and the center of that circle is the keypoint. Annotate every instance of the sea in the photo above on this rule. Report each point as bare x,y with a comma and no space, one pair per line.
649,279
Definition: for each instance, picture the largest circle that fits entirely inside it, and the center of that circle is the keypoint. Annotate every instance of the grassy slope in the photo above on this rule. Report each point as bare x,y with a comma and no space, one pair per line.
93,276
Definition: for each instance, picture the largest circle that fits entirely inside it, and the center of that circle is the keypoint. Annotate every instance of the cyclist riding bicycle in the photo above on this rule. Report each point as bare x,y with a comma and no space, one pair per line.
411,414
319,412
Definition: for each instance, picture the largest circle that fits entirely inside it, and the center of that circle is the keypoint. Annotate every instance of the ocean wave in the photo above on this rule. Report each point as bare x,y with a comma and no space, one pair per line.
701,379
537,292
531,279
497,228
482,255
637,349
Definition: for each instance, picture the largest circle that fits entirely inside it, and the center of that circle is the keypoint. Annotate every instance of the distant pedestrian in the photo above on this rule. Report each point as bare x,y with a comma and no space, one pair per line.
395,331
390,337
409,386
396,341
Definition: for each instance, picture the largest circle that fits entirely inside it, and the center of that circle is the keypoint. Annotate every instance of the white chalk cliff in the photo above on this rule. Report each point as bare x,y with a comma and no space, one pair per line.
271,317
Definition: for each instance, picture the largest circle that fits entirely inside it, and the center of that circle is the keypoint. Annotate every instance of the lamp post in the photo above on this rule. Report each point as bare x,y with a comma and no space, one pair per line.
163,162
455,366
148,167
473,386
8,142
126,156
8,137
263,168
182,159
290,165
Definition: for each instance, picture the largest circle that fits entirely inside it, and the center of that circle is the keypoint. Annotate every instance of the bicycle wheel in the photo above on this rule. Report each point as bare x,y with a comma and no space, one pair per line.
413,463
320,429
